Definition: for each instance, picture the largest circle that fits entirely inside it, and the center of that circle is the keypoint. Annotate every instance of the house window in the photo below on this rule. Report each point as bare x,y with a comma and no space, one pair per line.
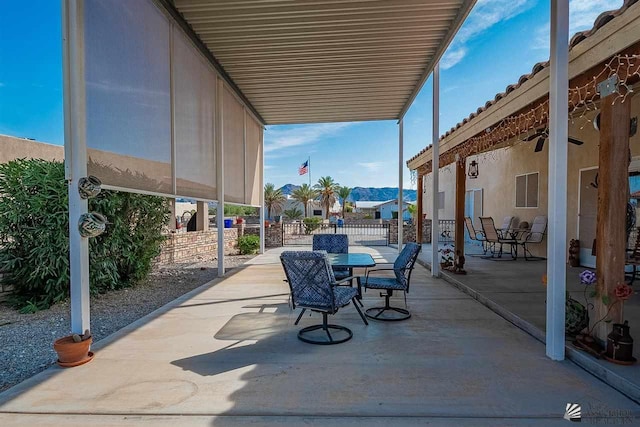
527,190
441,200
317,212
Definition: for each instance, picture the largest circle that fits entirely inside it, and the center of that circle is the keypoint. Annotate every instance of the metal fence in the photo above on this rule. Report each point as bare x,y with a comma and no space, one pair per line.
359,234
446,230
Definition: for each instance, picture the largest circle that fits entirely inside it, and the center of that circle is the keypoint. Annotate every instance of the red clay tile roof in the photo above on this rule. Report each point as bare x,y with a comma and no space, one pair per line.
577,38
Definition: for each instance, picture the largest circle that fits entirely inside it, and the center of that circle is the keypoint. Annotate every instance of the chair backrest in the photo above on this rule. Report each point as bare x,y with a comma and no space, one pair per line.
403,265
332,243
310,279
538,228
489,229
506,223
468,222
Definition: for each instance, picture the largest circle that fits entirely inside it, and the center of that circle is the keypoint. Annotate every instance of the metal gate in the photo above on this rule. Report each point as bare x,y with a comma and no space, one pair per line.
359,234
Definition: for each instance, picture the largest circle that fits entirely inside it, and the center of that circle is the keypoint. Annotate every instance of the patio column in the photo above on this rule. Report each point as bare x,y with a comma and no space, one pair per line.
400,182
220,172
75,148
611,237
172,215
557,188
435,170
202,216
419,214
262,208
461,188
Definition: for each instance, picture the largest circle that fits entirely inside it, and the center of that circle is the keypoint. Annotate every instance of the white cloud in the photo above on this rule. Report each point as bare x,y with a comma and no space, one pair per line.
582,15
277,139
484,15
372,166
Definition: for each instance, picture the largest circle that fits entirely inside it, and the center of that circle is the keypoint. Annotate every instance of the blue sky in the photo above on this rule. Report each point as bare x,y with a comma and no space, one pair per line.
501,40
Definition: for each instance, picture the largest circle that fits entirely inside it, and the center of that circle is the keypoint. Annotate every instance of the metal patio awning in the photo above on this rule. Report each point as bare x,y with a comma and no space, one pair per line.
309,61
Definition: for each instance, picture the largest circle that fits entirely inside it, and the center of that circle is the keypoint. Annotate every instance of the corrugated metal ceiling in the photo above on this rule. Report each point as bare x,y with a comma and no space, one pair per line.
308,61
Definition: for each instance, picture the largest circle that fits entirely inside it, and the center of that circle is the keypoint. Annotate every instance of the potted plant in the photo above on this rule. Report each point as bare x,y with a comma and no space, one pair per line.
73,350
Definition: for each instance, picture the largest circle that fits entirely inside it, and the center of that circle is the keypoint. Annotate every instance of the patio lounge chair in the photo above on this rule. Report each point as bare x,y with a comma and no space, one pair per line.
533,236
495,241
505,227
475,235
313,287
402,268
333,244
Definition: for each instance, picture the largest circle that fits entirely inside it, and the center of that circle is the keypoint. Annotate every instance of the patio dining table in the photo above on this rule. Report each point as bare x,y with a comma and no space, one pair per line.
351,261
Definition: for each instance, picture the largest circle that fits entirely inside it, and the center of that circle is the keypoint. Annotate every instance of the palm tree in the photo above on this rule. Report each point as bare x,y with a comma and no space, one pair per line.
273,198
294,213
344,192
327,188
304,194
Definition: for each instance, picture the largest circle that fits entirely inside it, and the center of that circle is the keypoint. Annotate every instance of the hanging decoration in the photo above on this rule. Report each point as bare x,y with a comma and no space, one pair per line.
473,170
583,101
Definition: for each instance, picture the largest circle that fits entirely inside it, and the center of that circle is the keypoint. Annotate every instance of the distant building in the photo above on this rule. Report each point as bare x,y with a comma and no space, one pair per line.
383,209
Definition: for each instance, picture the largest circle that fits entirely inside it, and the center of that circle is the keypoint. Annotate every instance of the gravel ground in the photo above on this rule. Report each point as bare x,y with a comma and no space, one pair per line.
26,340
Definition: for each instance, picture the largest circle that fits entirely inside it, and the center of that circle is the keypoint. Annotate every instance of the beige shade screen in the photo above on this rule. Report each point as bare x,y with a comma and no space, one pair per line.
253,161
233,137
128,100
194,83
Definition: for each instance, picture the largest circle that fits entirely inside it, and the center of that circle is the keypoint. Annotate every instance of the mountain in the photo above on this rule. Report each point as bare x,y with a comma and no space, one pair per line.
366,193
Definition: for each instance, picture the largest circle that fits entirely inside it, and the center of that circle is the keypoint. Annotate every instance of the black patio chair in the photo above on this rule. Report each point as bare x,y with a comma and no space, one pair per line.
313,286
402,268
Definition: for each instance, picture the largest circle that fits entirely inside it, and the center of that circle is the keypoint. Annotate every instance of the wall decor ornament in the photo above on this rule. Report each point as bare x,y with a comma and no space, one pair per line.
89,186
92,224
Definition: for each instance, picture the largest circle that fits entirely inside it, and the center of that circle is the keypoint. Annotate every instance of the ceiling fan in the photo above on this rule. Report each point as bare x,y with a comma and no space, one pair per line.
542,135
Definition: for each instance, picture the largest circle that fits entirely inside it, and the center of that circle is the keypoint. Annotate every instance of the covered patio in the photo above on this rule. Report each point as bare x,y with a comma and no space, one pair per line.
227,354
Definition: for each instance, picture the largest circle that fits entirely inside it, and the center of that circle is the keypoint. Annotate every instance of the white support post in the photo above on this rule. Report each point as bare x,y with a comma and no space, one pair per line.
75,145
558,156
435,170
220,172
400,182
262,208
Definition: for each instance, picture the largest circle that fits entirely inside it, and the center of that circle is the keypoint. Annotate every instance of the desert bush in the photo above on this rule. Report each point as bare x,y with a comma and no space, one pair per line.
311,224
34,234
248,244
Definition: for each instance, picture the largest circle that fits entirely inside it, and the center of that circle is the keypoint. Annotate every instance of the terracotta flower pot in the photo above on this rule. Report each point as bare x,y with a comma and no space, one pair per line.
71,353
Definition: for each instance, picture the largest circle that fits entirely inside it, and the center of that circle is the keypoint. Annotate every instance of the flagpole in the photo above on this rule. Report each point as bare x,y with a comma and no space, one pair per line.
309,165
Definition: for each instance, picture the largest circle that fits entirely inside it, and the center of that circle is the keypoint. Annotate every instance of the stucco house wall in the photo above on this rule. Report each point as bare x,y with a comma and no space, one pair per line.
498,170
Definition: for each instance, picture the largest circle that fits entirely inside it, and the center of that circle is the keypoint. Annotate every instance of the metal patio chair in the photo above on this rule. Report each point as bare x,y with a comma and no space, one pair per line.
475,235
534,236
333,244
495,241
314,287
505,227
402,268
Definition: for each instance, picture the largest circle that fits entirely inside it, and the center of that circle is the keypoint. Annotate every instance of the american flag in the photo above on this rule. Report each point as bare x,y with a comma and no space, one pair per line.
304,168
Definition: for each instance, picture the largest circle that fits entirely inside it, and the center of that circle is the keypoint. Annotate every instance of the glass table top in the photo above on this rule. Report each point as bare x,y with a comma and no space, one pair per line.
351,260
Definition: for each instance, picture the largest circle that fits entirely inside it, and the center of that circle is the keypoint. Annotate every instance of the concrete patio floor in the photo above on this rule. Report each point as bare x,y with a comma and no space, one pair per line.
227,354
515,290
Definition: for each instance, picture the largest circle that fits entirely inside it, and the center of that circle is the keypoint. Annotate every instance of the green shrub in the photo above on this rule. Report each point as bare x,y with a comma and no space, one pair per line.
294,213
248,244
311,224
34,234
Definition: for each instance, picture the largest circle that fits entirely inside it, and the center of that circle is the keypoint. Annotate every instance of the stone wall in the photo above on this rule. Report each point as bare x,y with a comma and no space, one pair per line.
273,236
409,232
188,246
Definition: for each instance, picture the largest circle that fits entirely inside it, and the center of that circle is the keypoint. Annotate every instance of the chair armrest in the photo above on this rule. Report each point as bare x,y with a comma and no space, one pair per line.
338,282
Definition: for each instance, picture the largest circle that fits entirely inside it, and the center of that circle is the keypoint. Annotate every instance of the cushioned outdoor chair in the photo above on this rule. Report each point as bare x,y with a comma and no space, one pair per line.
402,268
313,286
495,241
533,236
475,235
333,244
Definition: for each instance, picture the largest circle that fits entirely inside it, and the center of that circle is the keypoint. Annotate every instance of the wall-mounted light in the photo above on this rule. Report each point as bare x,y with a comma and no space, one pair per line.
473,169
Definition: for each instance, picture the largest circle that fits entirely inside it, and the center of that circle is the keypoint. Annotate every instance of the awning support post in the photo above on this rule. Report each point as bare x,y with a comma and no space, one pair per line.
400,184
435,170
557,183
220,172
75,147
